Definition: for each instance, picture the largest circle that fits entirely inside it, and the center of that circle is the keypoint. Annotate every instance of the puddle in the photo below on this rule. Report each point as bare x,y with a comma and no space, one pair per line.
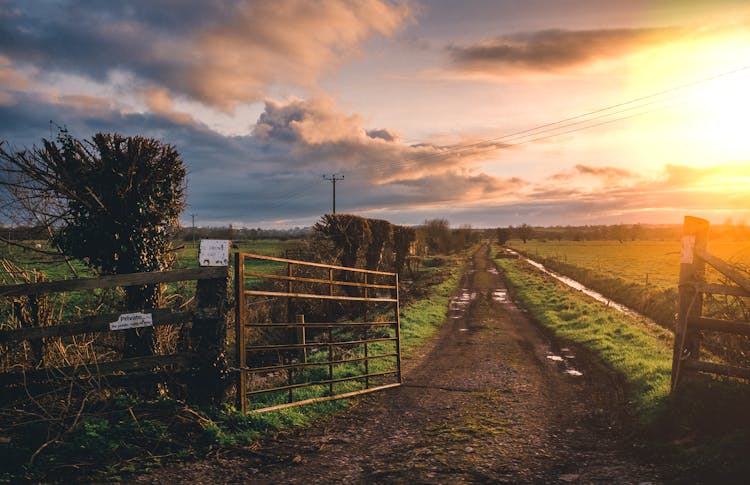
563,362
578,286
459,303
463,329
500,296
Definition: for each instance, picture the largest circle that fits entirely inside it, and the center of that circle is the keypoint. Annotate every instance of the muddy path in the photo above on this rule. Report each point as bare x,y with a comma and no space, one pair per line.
490,401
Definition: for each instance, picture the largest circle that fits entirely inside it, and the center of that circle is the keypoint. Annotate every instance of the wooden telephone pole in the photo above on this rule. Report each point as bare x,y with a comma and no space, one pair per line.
333,178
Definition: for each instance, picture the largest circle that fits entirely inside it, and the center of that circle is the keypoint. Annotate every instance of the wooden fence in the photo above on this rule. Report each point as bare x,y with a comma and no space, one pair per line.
201,361
690,320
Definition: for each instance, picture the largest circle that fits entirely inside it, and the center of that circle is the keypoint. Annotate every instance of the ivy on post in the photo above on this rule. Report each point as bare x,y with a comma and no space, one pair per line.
209,334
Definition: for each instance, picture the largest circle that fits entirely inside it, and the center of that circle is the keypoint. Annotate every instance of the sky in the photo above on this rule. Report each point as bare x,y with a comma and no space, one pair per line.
488,113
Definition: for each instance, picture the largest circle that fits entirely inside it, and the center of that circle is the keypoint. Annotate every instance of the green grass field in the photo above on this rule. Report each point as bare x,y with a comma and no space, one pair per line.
656,263
55,269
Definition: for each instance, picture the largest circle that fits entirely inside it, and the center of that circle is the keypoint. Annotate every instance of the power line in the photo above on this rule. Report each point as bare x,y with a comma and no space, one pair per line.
548,127
544,131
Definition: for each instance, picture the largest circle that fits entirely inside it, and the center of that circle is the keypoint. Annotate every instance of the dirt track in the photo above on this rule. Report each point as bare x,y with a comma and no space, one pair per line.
489,402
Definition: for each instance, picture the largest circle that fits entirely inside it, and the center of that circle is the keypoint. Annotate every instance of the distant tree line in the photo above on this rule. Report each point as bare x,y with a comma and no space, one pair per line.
243,233
436,236
616,232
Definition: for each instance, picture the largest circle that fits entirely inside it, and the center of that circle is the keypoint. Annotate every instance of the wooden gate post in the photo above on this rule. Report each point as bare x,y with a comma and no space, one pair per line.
209,338
692,271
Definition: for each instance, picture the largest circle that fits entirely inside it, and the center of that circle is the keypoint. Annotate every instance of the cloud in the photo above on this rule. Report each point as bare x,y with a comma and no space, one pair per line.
553,51
606,174
454,186
219,54
316,132
291,42
382,134
275,173
675,191
160,102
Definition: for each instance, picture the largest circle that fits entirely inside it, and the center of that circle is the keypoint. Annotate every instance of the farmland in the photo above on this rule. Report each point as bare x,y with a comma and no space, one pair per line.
648,263
56,269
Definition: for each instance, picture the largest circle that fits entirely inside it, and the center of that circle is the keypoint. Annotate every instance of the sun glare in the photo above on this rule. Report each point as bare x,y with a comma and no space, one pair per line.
721,116
706,121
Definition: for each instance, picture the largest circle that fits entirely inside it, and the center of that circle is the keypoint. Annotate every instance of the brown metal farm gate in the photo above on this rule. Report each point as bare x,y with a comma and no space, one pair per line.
311,332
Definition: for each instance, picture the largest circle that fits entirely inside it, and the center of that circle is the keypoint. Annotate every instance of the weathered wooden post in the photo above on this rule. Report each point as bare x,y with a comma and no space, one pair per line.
209,333
692,271
209,337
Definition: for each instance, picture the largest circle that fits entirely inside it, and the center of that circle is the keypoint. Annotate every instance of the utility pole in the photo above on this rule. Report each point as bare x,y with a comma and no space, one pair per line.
333,180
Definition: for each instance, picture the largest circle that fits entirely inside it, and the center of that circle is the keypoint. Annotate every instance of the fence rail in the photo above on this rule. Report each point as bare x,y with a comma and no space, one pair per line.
203,365
316,356
691,323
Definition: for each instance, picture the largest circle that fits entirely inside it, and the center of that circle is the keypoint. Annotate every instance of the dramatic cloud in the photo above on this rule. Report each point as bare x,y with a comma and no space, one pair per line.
219,56
275,173
315,133
552,50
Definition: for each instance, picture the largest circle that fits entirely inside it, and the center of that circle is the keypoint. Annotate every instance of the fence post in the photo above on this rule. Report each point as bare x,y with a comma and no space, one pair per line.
209,337
692,270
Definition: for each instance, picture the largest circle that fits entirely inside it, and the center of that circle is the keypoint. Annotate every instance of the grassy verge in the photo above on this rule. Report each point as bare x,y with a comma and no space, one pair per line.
634,347
702,429
121,435
655,302
420,319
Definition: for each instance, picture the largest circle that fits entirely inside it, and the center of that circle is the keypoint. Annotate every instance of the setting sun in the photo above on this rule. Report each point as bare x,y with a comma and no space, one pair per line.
706,103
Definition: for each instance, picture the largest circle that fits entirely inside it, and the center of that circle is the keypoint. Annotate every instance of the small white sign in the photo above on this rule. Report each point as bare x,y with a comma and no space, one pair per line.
214,252
686,255
132,320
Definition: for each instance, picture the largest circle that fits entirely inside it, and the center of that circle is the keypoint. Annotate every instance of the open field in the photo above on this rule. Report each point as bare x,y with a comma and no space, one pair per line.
654,263
187,257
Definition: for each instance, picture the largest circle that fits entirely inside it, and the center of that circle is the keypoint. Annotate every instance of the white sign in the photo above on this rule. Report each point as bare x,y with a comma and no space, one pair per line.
132,320
214,252
686,255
